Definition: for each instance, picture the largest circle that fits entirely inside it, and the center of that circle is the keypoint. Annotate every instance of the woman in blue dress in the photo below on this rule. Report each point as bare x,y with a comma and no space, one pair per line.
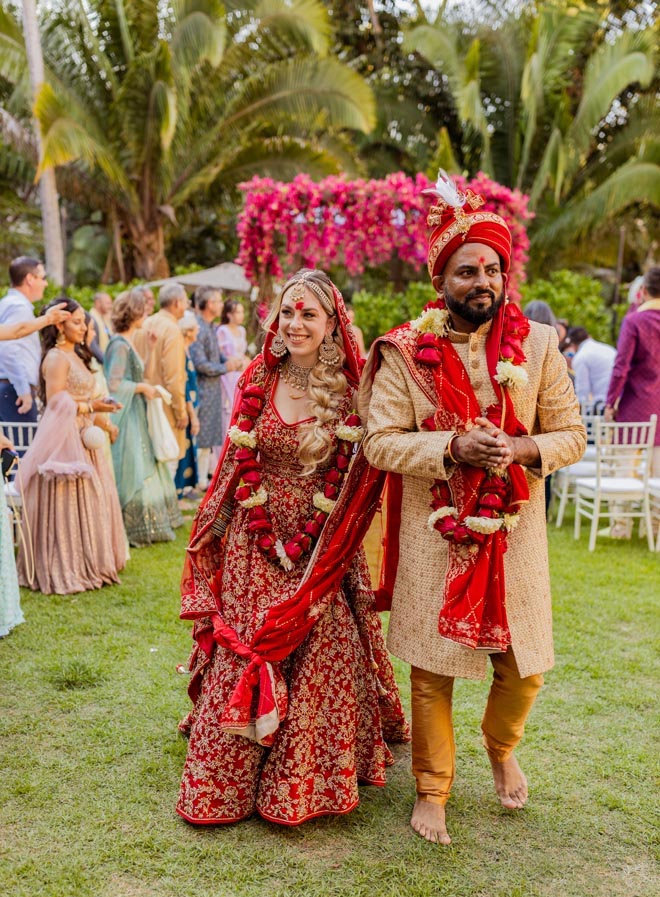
186,473
146,489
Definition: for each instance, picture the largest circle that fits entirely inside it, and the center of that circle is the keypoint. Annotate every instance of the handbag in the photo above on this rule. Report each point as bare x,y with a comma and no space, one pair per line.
93,437
166,447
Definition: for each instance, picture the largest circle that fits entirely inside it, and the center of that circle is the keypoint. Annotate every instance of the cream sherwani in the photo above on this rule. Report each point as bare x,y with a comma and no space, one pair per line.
166,365
394,406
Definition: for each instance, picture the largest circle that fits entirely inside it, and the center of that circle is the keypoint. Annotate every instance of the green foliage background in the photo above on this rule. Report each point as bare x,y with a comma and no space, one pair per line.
577,299
378,312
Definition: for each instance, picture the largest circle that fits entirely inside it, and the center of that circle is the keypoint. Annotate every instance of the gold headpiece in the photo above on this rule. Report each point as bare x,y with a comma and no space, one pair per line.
297,290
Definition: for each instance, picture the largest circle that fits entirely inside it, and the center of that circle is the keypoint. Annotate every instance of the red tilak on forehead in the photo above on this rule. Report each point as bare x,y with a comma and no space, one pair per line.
481,260
300,305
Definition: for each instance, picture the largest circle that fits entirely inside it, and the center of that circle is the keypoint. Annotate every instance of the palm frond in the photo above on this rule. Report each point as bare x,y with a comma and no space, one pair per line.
438,44
13,61
633,183
612,68
199,34
303,88
18,136
295,21
444,157
279,158
148,106
554,37
65,140
552,166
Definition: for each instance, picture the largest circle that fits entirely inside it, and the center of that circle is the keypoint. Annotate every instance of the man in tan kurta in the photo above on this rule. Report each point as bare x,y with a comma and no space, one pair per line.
101,314
396,399
165,364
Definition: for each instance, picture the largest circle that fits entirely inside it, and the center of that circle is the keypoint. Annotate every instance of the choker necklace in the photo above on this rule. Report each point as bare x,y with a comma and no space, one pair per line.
296,377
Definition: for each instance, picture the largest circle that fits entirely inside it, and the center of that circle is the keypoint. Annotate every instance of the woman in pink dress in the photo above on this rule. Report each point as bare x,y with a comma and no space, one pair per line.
293,691
71,516
232,340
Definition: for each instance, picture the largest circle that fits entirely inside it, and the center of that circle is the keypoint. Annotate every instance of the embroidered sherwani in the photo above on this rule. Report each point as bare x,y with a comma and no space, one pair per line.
395,403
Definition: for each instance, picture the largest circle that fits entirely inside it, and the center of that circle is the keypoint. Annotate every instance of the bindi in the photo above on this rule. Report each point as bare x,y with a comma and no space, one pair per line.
482,260
299,305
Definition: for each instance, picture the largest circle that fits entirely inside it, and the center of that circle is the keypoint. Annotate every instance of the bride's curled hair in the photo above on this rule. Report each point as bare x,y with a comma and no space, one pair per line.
327,384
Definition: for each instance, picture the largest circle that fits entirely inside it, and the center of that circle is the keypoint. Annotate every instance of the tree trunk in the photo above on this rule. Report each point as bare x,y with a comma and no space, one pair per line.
50,212
148,248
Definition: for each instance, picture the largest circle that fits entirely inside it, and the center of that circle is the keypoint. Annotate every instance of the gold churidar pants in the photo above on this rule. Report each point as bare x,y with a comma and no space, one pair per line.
433,750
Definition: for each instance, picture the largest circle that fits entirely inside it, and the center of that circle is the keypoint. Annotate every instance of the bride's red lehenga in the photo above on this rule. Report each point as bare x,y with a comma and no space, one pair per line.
342,703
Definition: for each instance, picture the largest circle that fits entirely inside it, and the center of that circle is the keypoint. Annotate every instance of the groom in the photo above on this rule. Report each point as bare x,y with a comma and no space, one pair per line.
468,407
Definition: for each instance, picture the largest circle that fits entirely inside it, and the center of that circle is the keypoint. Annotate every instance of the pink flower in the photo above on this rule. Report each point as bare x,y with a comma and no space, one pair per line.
293,550
242,493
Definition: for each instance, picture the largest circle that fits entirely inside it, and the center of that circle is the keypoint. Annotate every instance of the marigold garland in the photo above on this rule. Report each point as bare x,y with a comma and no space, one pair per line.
252,496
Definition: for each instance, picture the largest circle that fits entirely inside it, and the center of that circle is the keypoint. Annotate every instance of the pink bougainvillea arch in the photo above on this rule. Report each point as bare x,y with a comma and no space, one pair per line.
357,224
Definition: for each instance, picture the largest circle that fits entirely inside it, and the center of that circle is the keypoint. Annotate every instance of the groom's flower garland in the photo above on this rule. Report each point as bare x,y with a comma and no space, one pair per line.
494,510
251,494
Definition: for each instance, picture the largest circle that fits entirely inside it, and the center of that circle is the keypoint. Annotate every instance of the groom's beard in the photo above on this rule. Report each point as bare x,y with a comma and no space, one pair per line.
468,312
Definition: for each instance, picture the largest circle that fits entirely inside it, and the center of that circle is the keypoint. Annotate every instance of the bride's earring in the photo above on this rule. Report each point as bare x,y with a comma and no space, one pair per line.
328,351
278,346
61,339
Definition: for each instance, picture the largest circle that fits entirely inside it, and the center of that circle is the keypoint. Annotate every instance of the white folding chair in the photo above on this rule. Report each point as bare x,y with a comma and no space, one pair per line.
654,500
563,480
21,434
623,464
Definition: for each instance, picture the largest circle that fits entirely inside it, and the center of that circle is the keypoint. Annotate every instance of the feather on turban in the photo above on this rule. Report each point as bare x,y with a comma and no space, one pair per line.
458,218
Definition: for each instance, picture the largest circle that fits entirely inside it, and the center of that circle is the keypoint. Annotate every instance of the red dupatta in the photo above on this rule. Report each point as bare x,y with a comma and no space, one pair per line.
259,701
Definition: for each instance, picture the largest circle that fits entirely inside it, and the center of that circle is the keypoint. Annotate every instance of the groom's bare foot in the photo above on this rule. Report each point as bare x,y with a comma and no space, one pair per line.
428,820
510,783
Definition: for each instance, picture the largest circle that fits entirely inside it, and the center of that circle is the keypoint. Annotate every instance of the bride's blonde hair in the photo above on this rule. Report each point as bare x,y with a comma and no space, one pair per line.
327,384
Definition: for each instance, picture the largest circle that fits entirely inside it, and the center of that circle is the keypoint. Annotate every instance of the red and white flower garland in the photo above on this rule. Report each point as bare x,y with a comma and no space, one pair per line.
494,508
251,494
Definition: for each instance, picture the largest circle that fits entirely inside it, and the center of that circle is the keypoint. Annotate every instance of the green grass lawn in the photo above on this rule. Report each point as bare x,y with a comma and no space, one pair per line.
90,760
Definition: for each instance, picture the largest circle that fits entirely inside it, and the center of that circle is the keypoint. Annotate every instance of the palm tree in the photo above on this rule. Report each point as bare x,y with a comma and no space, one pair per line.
551,103
146,108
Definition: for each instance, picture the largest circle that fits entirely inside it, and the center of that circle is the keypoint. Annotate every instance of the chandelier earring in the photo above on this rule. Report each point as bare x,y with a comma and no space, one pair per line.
328,351
60,339
278,346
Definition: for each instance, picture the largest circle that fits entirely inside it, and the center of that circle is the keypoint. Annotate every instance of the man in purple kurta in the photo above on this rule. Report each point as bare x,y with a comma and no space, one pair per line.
634,391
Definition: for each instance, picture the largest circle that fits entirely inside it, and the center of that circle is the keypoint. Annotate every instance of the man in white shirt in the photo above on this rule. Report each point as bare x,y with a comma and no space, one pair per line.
592,365
20,359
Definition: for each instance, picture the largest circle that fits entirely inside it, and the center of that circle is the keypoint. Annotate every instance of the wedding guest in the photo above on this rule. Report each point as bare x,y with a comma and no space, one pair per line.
10,606
592,365
101,314
634,390
162,349
72,526
149,299
232,340
186,473
210,364
146,488
20,358
110,430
